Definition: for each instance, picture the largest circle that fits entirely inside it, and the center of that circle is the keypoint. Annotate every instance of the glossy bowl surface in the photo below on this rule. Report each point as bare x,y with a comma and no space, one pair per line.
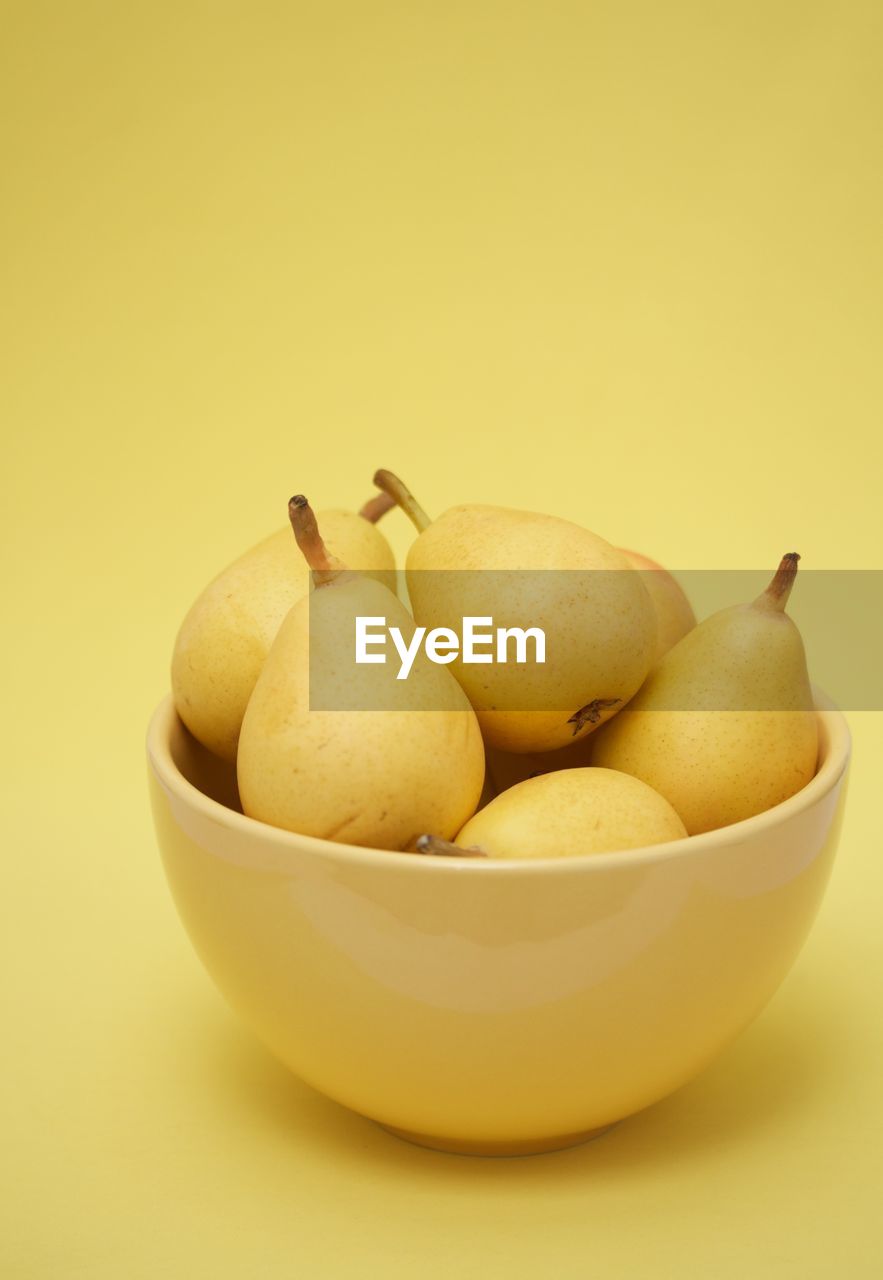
496,1007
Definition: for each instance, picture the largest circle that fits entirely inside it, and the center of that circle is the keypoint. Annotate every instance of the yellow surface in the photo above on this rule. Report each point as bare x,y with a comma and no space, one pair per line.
618,261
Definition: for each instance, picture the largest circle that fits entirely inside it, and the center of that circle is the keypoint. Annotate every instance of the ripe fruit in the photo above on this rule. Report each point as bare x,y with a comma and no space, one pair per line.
572,812
674,613
725,726
379,768
226,635
596,615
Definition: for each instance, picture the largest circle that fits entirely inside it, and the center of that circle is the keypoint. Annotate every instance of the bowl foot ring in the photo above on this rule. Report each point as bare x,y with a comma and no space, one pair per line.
528,1147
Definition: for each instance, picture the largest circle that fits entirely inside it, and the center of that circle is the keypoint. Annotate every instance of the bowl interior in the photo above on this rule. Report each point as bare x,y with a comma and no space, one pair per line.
215,778
183,763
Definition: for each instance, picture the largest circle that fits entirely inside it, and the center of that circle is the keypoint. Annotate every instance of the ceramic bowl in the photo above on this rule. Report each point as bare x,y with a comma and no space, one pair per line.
494,1007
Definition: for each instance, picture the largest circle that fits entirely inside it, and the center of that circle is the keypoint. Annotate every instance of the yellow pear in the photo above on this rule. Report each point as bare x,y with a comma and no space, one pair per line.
506,768
724,727
571,812
226,635
674,613
571,585
346,752
674,618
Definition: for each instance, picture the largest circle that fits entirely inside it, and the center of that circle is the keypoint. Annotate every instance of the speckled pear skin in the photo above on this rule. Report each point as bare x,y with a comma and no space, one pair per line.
371,777
724,727
227,633
600,626
572,812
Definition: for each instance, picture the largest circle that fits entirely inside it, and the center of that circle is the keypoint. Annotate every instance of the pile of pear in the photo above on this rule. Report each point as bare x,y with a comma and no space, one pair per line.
642,727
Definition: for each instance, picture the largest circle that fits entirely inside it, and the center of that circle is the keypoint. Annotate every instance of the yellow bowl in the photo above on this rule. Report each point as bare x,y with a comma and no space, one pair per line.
494,1007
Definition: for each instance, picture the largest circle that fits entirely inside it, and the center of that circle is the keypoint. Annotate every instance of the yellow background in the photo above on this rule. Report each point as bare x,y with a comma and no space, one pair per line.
619,261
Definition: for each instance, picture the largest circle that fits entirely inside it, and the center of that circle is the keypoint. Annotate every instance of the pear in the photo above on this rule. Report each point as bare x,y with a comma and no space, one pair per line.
571,812
598,621
725,726
674,613
674,618
227,633
506,768
349,752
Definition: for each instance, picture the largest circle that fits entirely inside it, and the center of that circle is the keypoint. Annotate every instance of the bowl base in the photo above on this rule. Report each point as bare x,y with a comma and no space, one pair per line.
527,1147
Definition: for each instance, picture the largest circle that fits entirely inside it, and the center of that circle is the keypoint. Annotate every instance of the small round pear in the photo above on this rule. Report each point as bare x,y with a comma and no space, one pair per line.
226,635
506,768
569,813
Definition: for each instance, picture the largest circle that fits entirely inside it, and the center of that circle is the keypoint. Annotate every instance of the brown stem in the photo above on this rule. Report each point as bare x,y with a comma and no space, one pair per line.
324,565
376,507
591,713
435,846
777,593
404,498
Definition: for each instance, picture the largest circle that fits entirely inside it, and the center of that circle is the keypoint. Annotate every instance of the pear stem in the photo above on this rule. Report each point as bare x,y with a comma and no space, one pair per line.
376,507
324,565
403,497
777,593
435,846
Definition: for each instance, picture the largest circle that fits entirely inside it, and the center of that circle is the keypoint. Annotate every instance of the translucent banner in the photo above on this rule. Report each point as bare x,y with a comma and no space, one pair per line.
579,644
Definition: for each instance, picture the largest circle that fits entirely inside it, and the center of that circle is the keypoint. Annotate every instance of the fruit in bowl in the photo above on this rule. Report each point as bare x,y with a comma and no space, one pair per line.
594,610
372,777
571,812
725,726
224,640
584,958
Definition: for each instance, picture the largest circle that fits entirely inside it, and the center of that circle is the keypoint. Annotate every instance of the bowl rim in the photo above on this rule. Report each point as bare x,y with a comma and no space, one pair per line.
829,773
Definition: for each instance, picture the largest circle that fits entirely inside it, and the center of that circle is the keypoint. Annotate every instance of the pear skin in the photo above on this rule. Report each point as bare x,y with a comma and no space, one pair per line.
572,812
506,768
226,635
380,768
725,726
600,627
674,613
